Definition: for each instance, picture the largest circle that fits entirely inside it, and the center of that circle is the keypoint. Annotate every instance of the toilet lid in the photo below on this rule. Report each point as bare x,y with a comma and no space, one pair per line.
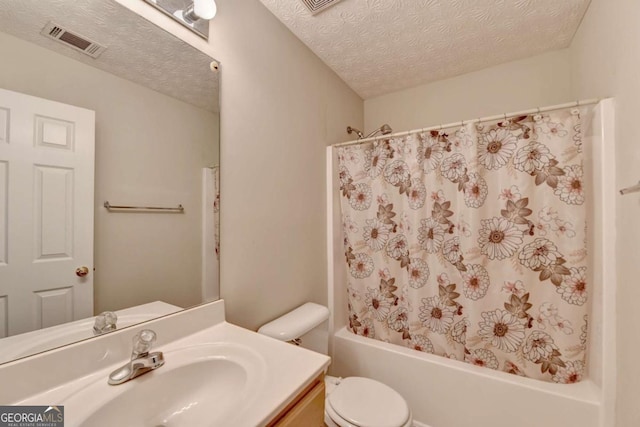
368,403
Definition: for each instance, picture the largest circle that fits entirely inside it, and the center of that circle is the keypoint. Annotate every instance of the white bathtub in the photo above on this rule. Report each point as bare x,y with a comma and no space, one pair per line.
449,393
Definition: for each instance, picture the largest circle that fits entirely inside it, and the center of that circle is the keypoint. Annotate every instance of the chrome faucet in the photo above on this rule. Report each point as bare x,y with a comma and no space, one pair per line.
105,322
141,360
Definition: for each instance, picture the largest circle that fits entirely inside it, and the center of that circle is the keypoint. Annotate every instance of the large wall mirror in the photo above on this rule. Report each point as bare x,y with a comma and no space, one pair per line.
109,172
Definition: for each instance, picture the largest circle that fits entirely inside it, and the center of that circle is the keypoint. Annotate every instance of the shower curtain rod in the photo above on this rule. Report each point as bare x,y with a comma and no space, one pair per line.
504,116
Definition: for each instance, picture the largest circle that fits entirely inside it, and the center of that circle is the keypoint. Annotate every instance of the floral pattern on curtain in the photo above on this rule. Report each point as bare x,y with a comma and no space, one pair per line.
470,243
216,210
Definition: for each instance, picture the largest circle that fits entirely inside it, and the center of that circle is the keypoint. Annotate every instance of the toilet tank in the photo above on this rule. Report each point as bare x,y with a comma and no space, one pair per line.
306,325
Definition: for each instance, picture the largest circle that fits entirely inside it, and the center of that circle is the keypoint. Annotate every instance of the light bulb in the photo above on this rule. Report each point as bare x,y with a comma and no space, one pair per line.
205,9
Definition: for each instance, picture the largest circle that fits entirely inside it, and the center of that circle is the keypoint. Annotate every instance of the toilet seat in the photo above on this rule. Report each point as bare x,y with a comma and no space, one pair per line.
363,402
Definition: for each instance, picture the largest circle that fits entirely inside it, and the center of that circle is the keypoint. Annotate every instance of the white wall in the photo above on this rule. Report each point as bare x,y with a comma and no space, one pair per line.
605,61
150,149
515,86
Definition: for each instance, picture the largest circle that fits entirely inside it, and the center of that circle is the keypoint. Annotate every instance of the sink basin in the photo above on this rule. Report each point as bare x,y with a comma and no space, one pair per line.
203,385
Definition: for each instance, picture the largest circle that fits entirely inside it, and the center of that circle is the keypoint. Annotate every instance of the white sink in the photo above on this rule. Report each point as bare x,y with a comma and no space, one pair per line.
203,385
215,374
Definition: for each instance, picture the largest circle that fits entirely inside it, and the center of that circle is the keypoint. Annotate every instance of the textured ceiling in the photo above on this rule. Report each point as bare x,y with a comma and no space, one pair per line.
137,50
381,46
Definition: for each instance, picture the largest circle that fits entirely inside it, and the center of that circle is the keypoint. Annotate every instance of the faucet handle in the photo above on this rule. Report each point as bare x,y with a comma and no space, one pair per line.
105,322
142,342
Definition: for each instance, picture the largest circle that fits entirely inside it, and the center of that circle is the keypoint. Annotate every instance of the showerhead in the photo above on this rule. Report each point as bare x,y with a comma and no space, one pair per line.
351,130
385,129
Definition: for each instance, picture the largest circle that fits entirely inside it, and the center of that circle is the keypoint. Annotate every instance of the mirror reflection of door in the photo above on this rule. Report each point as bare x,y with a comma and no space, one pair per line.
46,212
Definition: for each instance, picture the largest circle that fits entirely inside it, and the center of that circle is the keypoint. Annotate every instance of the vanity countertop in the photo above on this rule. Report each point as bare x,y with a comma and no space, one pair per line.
278,372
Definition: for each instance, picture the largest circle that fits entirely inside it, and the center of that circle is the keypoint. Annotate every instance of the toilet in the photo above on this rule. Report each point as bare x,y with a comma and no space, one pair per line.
351,401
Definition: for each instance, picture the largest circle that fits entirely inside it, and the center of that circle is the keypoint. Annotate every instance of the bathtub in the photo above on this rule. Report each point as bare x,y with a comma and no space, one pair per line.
450,393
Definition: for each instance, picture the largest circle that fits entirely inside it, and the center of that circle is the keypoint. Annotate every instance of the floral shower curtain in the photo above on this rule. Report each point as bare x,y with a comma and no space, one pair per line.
211,233
470,243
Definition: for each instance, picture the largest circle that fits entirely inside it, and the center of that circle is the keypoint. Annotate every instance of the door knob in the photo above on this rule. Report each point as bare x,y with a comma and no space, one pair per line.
82,271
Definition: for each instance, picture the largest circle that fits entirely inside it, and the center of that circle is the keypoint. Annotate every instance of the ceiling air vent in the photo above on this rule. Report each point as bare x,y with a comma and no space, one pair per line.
317,6
71,39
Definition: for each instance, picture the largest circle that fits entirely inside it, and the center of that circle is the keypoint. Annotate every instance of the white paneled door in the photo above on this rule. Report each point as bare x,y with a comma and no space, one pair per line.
46,212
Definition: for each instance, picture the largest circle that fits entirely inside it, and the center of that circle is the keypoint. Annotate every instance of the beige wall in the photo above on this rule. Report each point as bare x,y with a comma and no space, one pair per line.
281,106
515,86
605,59
150,149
